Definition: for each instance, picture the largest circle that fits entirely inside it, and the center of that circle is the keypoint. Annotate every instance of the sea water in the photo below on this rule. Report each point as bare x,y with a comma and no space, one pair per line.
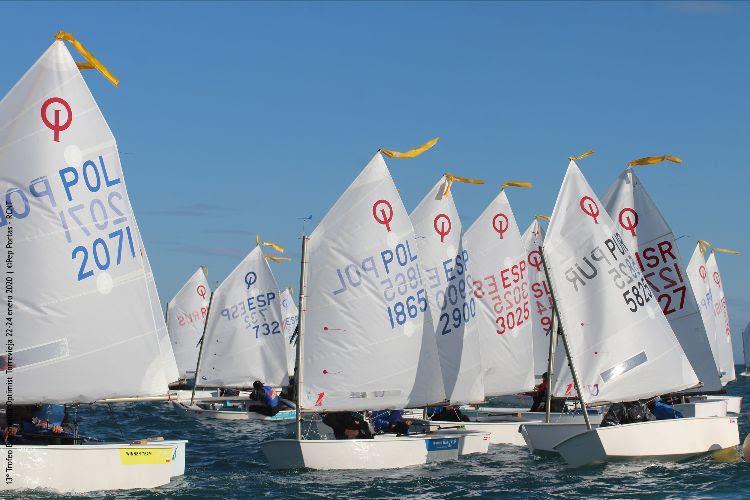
224,461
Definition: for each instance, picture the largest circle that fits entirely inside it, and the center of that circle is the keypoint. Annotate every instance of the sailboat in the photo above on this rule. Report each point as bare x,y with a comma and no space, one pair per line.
445,269
746,350
186,317
723,328
619,344
365,339
540,299
86,322
499,266
645,230
703,278
243,341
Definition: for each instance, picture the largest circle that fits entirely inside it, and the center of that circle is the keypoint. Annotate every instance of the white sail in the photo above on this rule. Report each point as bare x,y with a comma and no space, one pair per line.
721,318
499,270
648,235
698,277
746,345
169,361
244,341
446,268
541,300
621,344
368,343
186,317
83,327
289,320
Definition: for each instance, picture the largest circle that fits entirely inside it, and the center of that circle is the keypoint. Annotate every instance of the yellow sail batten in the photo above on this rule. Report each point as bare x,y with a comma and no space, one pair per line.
271,244
726,251
450,179
542,217
518,184
274,258
704,246
581,156
653,160
91,61
412,153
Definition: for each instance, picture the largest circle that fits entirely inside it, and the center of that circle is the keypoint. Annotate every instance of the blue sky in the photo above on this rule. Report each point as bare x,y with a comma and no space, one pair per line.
235,119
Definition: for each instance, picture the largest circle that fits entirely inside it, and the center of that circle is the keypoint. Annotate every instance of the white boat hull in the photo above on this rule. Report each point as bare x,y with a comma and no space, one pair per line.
523,415
499,432
734,403
384,452
703,408
666,439
94,467
178,456
541,437
473,441
198,412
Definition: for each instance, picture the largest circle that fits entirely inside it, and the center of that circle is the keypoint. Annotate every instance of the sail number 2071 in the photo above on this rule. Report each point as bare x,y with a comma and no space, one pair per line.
103,252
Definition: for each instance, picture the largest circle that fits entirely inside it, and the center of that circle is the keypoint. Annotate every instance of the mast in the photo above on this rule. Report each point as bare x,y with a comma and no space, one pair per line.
301,326
573,371
550,364
200,351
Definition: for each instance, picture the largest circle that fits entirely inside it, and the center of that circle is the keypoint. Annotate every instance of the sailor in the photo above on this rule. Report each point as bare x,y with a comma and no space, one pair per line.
37,424
540,397
446,414
347,425
266,395
663,411
288,391
391,422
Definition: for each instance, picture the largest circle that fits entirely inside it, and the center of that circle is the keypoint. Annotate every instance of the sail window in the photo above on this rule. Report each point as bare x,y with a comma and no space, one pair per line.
37,355
625,366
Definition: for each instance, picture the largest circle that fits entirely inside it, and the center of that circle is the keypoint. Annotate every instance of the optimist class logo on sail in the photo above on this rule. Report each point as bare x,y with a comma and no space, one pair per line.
87,198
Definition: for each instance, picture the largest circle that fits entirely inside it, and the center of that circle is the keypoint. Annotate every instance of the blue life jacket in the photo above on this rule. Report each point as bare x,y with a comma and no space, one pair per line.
269,397
434,410
382,420
54,414
663,411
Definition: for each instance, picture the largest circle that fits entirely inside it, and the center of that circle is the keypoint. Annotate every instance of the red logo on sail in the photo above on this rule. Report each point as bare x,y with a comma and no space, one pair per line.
201,291
57,126
319,401
500,224
628,219
382,212
442,225
590,208
702,272
535,259
717,279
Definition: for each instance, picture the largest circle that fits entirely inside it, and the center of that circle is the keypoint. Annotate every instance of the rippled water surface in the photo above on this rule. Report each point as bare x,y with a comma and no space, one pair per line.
224,461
